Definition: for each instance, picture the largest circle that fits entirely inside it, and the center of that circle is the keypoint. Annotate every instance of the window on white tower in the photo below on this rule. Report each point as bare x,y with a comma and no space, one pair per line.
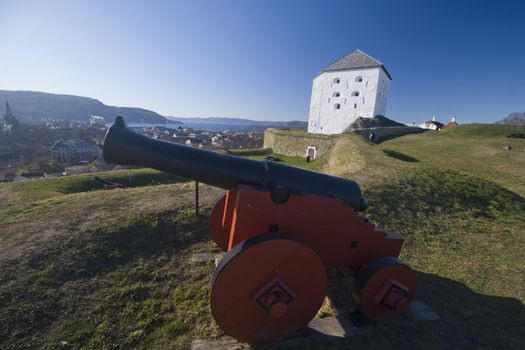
355,93
359,79
336,94
337,81
337,106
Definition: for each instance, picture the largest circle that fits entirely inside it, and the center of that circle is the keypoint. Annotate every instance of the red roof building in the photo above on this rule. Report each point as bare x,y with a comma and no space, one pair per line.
452,123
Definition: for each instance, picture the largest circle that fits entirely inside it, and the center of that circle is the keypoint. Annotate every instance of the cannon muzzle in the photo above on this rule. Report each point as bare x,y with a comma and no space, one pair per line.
126,147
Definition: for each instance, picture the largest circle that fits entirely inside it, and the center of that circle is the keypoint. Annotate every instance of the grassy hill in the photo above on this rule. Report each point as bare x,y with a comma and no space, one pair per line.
81,267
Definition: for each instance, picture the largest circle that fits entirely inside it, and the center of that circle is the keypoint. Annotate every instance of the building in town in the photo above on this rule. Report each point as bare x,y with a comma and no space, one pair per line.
73,151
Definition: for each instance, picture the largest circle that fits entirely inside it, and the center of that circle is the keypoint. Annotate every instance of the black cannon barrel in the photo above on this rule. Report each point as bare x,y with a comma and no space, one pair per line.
125,147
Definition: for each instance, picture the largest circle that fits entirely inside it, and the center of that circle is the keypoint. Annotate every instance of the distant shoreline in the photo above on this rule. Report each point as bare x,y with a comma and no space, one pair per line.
205,126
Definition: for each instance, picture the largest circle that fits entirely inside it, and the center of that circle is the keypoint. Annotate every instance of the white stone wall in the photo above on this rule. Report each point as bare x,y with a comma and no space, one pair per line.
325,118
382,94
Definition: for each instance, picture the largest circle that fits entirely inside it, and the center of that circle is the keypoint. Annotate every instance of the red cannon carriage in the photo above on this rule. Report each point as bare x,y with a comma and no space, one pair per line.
282,228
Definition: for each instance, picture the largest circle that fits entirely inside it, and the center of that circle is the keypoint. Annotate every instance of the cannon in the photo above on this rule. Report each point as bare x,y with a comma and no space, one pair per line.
282,228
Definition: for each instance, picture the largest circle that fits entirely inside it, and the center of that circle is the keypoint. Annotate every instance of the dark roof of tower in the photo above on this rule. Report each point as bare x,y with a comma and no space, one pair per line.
8,116
355,60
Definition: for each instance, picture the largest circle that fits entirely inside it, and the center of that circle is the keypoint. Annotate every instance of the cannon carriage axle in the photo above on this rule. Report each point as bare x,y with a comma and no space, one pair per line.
282,228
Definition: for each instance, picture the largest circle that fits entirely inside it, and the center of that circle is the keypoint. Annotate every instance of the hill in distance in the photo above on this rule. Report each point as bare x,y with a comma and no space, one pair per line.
515,118
34,106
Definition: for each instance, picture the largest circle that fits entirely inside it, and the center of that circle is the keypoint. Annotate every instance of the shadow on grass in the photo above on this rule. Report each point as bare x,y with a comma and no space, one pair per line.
399,156
440,194
138,179
103,247
468,320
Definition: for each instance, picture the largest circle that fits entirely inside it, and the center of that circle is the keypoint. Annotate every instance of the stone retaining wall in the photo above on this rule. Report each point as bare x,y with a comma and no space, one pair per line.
294,143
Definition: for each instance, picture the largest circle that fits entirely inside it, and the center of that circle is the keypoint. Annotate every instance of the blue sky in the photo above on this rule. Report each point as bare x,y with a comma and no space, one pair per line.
256,59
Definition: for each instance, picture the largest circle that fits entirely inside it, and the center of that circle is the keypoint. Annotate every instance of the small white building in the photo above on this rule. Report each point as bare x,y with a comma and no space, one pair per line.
432,124
355,86
96,120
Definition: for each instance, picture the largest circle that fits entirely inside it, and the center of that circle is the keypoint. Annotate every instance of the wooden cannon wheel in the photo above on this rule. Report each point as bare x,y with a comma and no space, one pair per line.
385,288
267,287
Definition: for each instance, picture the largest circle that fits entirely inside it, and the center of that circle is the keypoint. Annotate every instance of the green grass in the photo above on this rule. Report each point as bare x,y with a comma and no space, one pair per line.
301,162
445,214
464,237
111,269
118,284
261,153
251,151
458,200
45,188
473,149
111,272
484,130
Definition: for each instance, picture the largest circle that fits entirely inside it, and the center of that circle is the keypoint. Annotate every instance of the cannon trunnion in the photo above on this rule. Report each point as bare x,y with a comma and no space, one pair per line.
282,228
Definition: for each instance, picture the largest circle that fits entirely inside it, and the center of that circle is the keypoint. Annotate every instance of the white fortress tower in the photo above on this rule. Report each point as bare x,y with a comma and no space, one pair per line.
355,86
